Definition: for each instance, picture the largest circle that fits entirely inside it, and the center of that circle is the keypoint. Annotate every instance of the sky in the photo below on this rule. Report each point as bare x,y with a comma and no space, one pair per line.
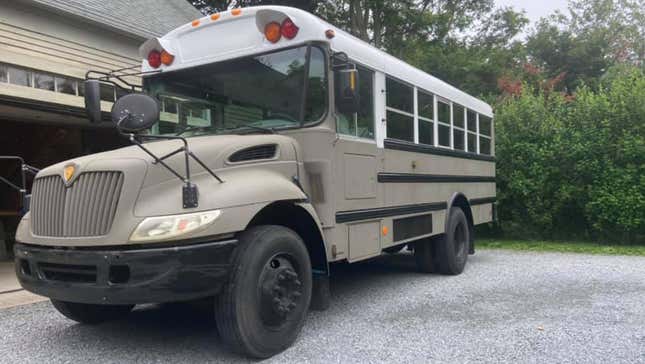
535,9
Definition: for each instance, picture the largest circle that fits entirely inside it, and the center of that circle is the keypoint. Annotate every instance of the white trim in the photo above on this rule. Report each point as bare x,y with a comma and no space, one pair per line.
435,126
387,108
426,119
477,135
415,123
452,144
380,127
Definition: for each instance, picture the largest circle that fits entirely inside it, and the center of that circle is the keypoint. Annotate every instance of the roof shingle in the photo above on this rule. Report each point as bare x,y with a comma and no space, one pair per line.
144,18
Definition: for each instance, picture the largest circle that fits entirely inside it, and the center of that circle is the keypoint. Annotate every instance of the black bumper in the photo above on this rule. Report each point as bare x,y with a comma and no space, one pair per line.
113,276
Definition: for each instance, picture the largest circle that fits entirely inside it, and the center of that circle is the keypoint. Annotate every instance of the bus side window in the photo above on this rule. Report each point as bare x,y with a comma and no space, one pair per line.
360,124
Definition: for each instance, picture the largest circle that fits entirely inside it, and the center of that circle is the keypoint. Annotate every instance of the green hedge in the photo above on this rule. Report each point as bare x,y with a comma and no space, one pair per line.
574,167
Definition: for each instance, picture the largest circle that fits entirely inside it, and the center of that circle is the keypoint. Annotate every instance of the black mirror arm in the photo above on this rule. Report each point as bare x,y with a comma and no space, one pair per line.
190,195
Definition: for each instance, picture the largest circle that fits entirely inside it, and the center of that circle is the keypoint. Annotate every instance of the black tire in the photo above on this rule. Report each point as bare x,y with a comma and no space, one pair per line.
258,312
424,256
91,314
452,247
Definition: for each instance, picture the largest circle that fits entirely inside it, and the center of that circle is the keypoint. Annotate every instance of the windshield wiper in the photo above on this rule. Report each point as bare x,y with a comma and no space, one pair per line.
261,128
192,128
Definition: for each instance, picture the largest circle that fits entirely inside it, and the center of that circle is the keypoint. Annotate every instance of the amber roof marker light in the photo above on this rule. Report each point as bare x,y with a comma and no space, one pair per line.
272,32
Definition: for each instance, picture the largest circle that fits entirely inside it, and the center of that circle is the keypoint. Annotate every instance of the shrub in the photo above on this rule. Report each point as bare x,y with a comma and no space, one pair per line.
574,167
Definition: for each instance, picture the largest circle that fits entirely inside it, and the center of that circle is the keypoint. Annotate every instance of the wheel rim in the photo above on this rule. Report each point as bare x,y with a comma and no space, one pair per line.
460,237
280,290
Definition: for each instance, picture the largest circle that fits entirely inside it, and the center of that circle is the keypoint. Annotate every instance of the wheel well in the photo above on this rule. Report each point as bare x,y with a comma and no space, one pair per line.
459,200
296,218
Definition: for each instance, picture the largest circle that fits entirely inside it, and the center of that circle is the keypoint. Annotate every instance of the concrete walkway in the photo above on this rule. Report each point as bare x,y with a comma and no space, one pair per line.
11,294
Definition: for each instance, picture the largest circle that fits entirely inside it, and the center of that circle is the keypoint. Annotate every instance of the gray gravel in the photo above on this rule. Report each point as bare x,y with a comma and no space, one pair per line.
506,307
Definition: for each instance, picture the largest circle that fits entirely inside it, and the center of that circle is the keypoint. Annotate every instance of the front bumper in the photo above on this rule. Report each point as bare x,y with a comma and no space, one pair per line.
113,276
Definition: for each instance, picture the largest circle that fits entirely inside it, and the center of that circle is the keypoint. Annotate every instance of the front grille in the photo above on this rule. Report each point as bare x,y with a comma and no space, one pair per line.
68,272
86,208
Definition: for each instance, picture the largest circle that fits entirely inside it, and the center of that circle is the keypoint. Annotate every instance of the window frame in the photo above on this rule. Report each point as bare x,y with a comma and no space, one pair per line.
373,73
413,115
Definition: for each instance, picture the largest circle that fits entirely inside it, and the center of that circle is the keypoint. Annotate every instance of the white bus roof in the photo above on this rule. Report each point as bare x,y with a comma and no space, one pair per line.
240,32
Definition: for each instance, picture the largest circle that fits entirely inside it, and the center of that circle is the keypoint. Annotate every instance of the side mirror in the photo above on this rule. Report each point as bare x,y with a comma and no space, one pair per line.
135,112
347,97
93,100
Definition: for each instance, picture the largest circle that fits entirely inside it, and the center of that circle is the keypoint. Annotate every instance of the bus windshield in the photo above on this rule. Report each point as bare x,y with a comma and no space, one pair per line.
287,88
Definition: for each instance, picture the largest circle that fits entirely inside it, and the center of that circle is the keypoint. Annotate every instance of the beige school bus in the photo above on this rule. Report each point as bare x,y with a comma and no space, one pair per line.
266,145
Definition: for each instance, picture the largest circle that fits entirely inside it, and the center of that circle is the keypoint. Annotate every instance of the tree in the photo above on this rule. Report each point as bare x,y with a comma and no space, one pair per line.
596,35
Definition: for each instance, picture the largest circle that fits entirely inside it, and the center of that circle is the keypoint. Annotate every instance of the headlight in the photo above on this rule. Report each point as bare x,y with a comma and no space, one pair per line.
170,227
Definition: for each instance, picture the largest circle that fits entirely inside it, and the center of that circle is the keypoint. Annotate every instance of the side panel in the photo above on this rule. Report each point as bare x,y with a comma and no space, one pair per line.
364,240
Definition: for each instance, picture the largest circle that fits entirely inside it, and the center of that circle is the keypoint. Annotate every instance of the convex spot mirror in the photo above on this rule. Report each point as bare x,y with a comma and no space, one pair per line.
135,112
347,98
93,100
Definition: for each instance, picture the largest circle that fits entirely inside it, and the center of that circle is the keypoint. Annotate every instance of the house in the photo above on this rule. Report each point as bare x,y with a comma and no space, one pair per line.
46,48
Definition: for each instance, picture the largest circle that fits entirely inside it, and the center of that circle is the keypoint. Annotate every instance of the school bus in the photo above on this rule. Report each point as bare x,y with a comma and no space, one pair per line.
267,144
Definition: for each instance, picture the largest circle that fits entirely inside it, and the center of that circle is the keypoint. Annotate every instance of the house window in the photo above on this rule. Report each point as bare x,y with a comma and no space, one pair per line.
443,123
3,73
400,112
360,124
65,85
20,77
426,117
44,81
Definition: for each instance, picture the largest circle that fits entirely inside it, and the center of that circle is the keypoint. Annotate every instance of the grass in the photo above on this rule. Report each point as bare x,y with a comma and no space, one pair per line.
561,246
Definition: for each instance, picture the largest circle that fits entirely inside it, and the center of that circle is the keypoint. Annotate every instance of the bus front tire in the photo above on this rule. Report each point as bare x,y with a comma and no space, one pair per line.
452,247
91,314
262,308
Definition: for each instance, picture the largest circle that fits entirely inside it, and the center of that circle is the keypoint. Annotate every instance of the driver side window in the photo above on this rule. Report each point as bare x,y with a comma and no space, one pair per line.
360,124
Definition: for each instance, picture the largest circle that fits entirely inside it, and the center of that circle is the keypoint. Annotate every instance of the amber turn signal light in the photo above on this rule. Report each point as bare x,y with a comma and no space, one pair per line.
272,32
166,58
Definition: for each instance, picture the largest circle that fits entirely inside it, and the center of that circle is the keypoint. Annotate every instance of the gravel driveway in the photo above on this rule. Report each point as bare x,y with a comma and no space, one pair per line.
506,307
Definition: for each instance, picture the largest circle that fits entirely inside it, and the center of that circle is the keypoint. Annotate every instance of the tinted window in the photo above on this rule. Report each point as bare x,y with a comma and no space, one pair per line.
443,112
484,145
472,143
444,135
472,120
484,125
400,126
458,116
458,139
426,105
316,103
361,124
399,96
426,132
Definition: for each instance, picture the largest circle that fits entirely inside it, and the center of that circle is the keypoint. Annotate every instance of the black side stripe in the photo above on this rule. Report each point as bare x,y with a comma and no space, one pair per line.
428,149
366,214
482,201
429,178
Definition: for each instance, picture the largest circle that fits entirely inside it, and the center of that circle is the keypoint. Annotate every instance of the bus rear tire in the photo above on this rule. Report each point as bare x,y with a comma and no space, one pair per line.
453,246
262,308
91,314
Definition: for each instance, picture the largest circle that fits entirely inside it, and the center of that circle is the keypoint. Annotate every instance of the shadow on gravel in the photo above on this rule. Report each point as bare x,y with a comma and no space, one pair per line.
188,329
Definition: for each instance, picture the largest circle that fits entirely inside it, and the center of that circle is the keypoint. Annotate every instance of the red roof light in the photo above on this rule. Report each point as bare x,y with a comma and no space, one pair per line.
289,29
154,59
